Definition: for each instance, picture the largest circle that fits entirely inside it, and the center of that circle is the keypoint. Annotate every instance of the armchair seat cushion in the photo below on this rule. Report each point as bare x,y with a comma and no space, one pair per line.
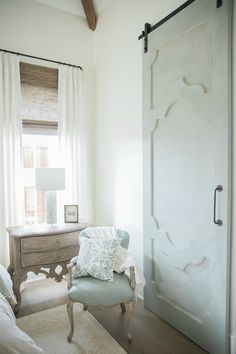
92,291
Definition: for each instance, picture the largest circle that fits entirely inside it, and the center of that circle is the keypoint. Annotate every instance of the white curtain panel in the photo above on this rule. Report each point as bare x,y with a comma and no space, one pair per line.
74,138
11,197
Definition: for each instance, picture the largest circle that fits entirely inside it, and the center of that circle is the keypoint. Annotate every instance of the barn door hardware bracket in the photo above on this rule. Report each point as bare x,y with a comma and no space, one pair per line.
219,3
145,33
148,28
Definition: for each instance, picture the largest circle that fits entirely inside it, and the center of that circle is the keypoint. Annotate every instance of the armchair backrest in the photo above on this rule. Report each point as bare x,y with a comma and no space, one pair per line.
120,233
125,238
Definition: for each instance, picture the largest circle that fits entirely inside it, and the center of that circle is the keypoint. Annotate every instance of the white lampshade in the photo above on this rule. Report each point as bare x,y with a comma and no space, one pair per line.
49,179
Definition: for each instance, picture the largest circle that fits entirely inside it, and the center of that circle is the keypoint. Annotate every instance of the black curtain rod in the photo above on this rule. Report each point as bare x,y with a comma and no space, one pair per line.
165,19
32,56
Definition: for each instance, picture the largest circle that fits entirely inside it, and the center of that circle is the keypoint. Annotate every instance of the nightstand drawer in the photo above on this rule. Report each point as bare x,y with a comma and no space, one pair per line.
49,242
49,257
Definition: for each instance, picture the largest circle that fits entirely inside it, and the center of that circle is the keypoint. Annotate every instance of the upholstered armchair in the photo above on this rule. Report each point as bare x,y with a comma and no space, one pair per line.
91,291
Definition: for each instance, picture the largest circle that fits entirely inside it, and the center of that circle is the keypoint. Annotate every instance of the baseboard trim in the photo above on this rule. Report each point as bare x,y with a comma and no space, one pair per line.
232,344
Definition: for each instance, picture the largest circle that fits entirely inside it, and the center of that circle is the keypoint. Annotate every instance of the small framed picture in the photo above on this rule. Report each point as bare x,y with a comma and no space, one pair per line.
71,213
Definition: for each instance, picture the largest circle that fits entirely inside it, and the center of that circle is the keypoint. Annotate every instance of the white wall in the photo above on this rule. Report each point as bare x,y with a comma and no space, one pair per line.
35,28
118,58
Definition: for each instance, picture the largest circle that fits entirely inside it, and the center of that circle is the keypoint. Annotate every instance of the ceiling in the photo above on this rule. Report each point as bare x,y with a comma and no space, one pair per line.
75,6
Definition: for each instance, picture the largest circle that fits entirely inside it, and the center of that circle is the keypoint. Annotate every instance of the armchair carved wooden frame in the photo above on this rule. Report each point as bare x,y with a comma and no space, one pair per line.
120,292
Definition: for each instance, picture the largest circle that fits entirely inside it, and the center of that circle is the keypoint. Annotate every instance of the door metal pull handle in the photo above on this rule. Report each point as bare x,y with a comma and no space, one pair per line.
218,222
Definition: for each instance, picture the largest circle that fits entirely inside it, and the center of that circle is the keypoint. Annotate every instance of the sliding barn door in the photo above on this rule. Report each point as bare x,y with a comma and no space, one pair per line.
186,172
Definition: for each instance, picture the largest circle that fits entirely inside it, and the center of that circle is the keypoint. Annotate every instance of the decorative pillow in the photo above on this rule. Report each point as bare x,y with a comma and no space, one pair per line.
6,286
96,258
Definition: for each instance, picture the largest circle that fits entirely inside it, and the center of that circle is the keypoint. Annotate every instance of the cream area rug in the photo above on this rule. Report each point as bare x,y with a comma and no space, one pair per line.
49,330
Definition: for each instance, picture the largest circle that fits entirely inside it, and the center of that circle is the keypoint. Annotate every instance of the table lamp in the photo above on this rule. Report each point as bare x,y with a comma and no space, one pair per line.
50,180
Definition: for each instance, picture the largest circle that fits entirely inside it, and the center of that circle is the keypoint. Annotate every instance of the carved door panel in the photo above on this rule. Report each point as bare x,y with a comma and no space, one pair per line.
186,155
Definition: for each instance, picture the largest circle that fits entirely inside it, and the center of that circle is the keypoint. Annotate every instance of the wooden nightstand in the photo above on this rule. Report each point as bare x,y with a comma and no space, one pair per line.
41,250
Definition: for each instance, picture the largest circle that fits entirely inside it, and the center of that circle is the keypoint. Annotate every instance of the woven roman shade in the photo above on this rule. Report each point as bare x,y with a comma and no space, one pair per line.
39,97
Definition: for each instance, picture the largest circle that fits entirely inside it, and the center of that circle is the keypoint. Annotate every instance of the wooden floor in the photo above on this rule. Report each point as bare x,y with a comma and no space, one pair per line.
151,335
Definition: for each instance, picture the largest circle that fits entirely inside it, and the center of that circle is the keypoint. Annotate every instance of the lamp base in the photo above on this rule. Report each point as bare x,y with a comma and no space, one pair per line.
51,208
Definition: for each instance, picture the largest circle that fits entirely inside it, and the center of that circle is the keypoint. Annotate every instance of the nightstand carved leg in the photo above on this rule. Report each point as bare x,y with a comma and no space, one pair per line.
123,308
16,289
10,270
17,279
71,319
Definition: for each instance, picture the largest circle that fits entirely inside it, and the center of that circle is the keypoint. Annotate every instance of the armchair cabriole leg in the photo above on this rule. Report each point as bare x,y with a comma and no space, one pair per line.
130,314
123,308
71,319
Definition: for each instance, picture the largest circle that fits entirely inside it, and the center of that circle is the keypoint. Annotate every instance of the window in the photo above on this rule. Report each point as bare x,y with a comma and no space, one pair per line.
38,151
40,140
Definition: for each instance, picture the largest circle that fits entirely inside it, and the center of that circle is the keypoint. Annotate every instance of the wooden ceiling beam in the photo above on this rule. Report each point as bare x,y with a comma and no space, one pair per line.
90,13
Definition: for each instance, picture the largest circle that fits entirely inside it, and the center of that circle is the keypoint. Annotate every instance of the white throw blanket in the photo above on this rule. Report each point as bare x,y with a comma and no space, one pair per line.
123,259
12,339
